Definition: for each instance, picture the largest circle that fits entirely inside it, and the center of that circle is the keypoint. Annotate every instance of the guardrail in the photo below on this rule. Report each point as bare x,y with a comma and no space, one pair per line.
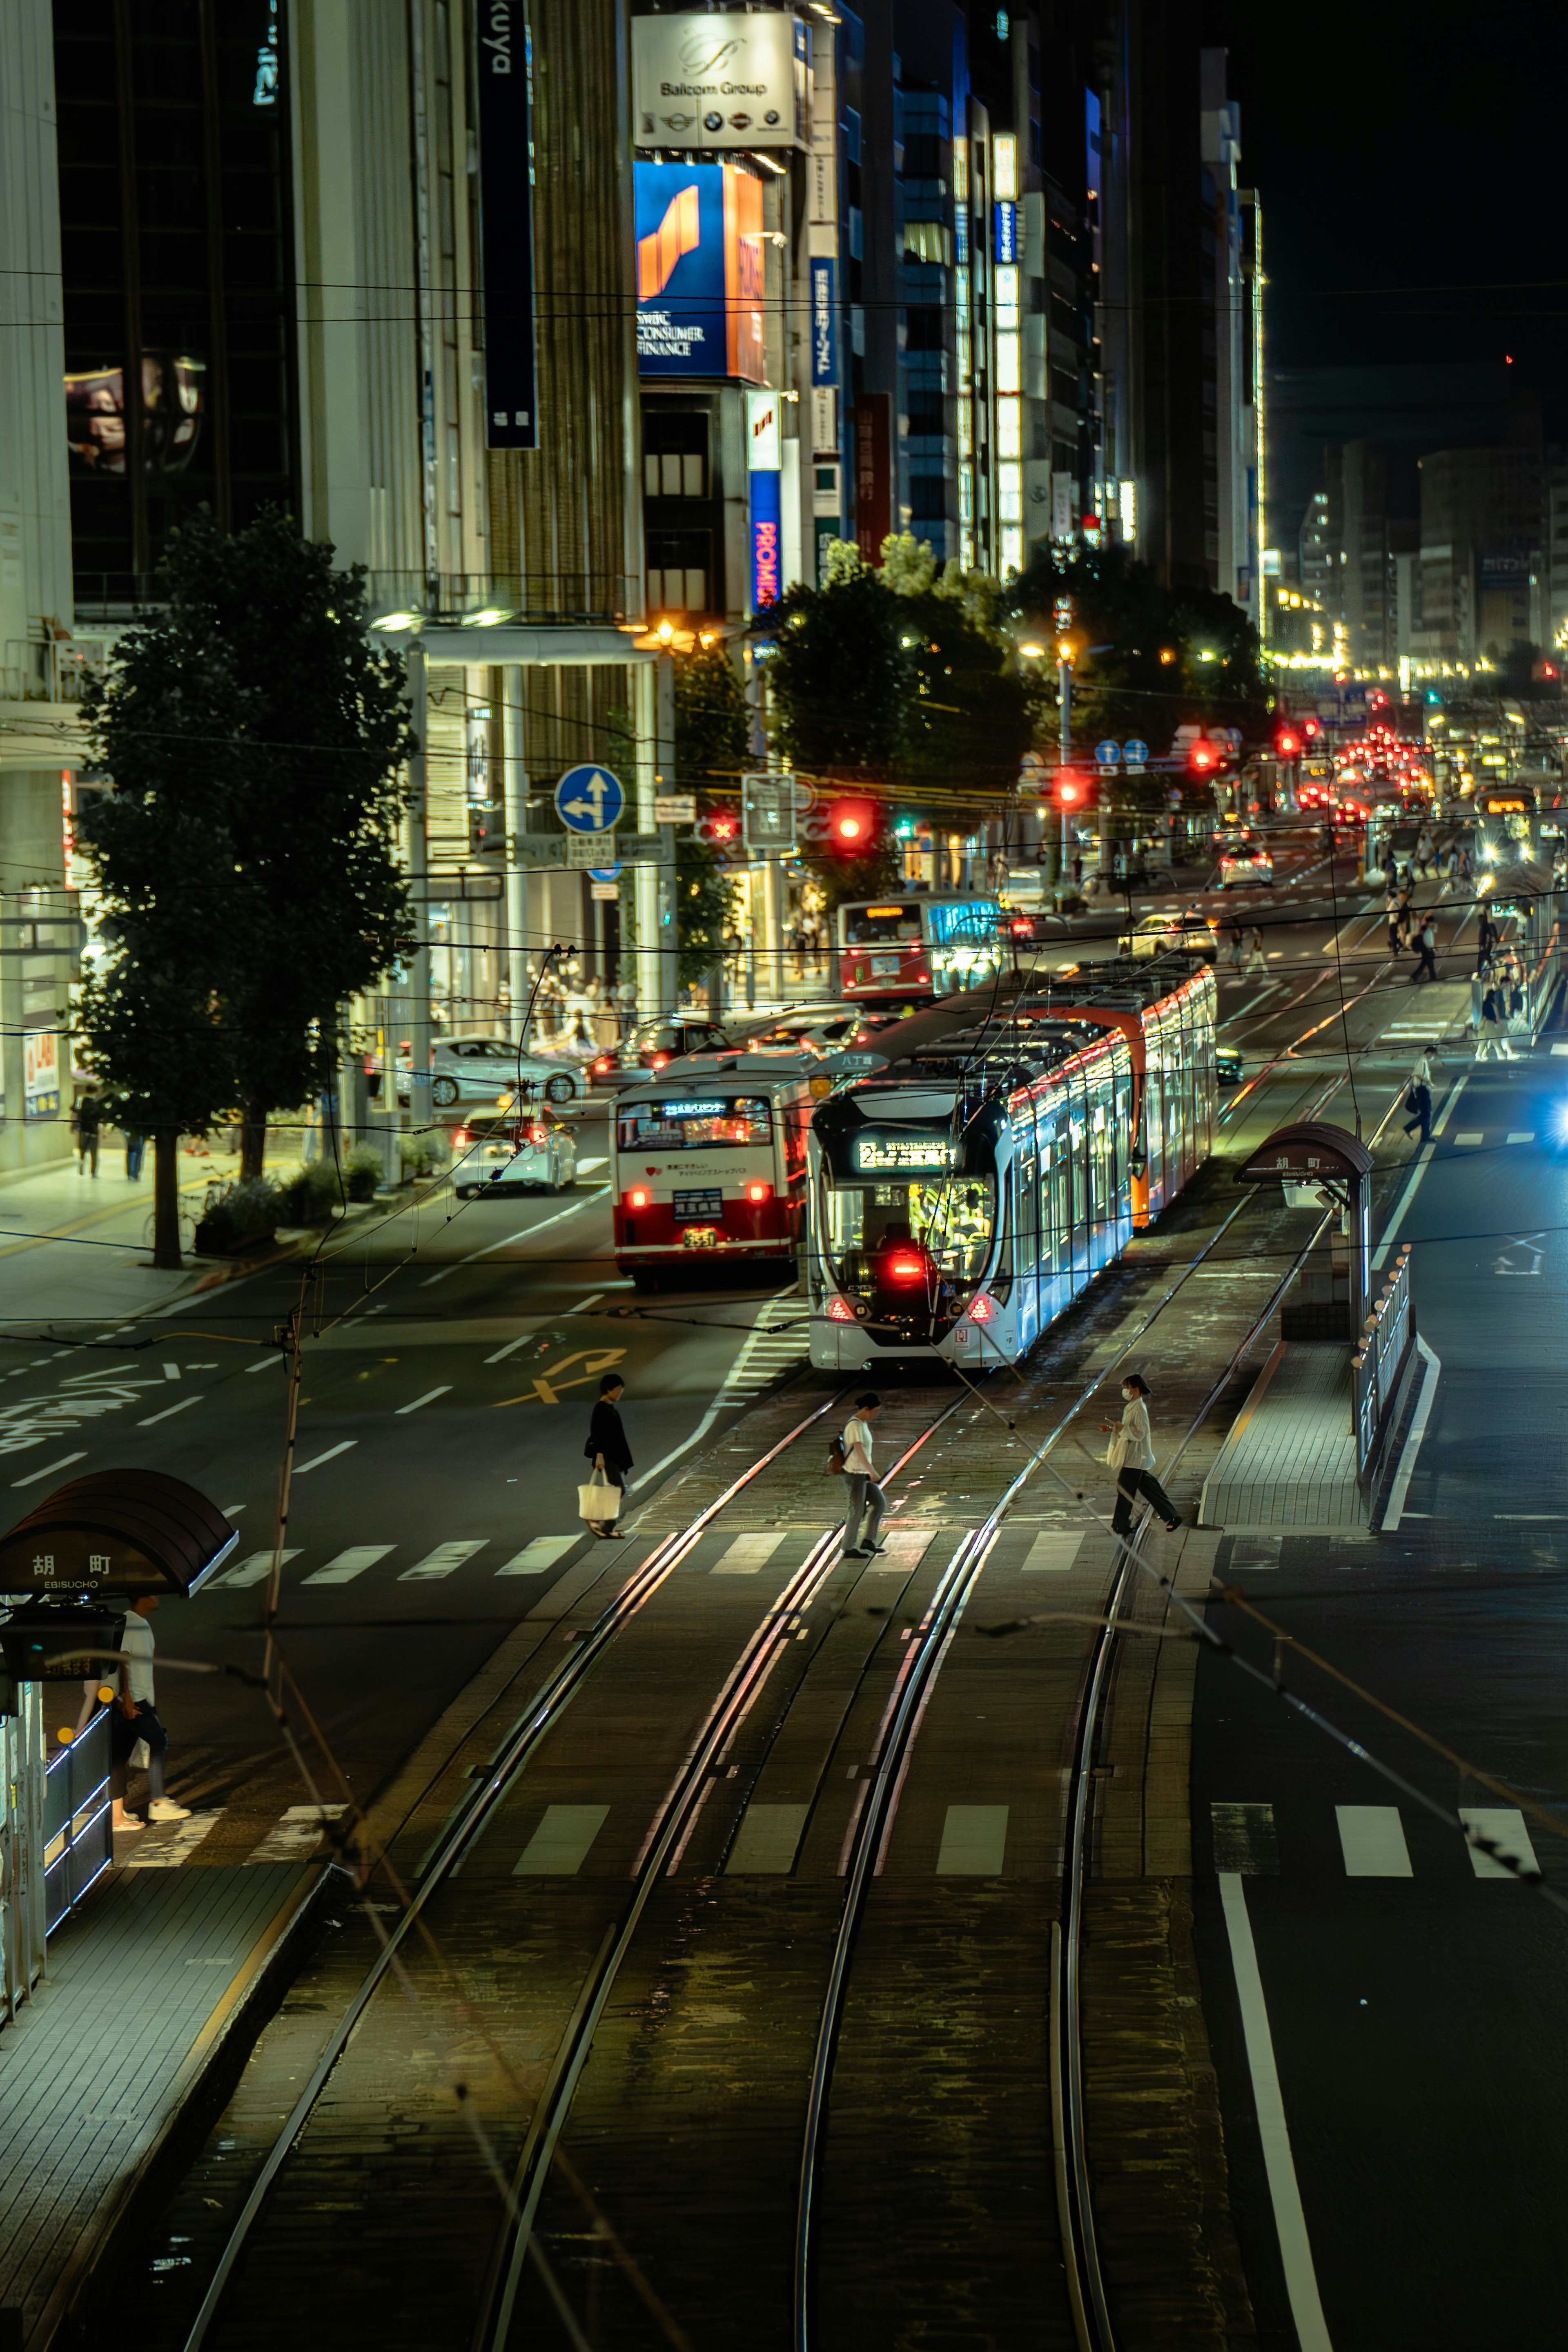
78,1838
1386,1338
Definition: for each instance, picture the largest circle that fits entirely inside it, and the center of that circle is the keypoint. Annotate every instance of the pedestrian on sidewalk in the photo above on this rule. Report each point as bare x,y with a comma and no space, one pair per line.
1255,959
86,1118
136,1718
1490,1046
1130,1454
135,1150
1238,949
861,1477
607,1448
1425,951
1418,1102
1486,940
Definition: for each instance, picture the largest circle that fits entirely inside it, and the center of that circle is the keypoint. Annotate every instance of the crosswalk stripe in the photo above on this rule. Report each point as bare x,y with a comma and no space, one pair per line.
767,1839
1254,1553
254,1569
973,1840
441,1560
153,1853
1055,1550
1504,1824
536,1556
558,1847
905,1547
747,1555
296,1834
1372,1839
349,1564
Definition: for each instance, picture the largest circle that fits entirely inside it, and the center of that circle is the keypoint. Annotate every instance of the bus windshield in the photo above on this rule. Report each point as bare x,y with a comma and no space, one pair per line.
881,926
692,1126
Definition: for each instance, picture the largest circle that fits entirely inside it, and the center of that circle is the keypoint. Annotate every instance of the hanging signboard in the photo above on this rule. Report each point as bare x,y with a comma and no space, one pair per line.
504,80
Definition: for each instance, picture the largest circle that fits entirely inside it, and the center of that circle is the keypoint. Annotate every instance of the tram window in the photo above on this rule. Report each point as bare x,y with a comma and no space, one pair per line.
953,1217
687,1125
1026,1231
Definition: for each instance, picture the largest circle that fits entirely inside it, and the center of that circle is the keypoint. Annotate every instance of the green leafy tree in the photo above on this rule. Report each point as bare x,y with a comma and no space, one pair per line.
712,733
246,851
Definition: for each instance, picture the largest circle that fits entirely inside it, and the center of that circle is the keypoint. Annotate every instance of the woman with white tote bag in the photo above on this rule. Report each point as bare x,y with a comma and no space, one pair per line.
599,1502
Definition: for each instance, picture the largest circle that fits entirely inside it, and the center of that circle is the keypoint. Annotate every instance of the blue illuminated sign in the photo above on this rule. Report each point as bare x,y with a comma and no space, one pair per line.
1005,232
766,540
824,321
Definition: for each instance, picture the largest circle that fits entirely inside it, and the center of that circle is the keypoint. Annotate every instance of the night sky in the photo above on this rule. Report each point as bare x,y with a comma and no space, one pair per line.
1412,164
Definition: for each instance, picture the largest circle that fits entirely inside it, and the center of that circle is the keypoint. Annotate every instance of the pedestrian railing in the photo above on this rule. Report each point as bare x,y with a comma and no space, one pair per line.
78,1833
1386,1338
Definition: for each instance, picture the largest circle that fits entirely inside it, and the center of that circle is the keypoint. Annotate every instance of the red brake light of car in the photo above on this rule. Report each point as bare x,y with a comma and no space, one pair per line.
759,1192
657,1061
982,1309
605,1061
637,1198
459,1138
536,1132
841,1311
1021,930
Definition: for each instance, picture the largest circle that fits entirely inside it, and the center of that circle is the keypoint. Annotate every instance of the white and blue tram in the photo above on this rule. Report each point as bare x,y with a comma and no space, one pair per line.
960,1197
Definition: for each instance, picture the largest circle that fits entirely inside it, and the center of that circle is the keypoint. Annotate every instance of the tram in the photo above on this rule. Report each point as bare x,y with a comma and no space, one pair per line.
710,1160
961,1196
1507,824
920,947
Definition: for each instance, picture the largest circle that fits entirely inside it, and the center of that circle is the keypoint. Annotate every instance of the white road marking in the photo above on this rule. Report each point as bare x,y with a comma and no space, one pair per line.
441,1560
1560,1049
152,1852
510,1349
1056,1550
168,1411
1290,2222
232,1510
170,1372
331,1455
583,1305
295,1834
974,1841
558,1847
536,1556
527,1234
428,1398
767,1839
1372,1839
747,1555
1423,1159
905,1549
349,1564
587,1167
1255,1553
254,1569
1432,1367
1471,1136
266,1364
1521,1515
49,1469
1504,1824
1522,1135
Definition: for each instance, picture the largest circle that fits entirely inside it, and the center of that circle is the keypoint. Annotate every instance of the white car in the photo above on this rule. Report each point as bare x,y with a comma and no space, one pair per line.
1159,934
486,1069
532,1155
1245,861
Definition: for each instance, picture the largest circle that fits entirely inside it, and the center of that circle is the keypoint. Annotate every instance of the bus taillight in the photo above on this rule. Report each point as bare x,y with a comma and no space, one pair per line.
637,1198
759,1192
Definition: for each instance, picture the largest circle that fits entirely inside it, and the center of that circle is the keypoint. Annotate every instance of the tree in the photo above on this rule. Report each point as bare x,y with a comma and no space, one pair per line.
245,850
713,729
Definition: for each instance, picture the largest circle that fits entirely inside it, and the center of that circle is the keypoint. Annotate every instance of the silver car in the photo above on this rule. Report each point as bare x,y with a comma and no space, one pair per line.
486,1069
532,1155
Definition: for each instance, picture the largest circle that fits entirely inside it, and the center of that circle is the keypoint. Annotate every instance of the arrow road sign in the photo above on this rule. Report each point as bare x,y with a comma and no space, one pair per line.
590,799
1135,751
1107,753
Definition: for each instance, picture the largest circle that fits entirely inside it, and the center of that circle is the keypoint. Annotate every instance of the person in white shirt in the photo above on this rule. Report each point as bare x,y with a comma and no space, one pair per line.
1131,1456
136,1717
861,1479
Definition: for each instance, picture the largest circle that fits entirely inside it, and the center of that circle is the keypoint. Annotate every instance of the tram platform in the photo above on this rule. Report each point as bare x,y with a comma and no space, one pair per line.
143,1987
1288,1463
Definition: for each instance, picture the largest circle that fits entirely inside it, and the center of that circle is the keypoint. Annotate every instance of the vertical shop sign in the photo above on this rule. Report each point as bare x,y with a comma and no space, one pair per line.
505,79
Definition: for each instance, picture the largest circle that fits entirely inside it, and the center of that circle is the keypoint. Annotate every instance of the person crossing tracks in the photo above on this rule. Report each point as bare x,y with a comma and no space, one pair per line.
1131,1456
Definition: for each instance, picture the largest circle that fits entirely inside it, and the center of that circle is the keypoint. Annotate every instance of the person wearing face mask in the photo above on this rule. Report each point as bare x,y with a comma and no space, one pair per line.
1131,1456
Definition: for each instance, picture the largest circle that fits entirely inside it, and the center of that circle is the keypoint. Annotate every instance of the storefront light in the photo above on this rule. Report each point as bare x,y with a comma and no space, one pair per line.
1008,297
1008,363
1009,492
1009,430
1012,547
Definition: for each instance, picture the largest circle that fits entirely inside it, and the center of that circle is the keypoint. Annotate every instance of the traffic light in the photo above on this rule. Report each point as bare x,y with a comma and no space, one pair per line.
1068,790
1311,729
1204,758
1287,740
851,826
720,828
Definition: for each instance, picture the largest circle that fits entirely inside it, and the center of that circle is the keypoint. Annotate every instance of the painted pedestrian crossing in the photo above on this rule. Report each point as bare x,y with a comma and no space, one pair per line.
777,1343
1372,1841
1481,1139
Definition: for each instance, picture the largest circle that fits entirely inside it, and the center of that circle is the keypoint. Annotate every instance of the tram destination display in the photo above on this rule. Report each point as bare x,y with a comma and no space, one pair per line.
892,1155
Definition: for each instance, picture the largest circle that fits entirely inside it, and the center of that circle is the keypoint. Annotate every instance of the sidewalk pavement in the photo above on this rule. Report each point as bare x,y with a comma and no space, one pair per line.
143,1988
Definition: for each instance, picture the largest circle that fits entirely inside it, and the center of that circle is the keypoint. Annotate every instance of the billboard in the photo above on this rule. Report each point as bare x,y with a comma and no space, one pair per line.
699,270
824,320
874,473
764,457
504,76
721,81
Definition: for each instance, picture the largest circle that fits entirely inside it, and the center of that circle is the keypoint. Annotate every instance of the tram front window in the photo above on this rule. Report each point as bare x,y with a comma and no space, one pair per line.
910,1249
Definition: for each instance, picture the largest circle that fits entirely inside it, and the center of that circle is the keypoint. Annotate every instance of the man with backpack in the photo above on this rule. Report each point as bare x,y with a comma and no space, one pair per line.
852,1454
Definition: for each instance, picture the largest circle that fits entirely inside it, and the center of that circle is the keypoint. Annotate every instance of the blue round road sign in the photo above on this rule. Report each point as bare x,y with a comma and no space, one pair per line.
1136,752
1107,753
605,874
590,799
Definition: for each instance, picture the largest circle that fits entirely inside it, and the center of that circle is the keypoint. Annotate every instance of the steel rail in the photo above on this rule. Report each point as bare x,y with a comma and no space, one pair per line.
771,1636
542,1713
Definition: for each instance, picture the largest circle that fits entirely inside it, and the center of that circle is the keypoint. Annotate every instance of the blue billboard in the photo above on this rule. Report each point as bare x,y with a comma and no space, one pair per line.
699,271
824,320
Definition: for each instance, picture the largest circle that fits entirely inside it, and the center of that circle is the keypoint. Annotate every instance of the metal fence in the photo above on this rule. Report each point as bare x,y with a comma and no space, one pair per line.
1386,1338
79,1835
22,1846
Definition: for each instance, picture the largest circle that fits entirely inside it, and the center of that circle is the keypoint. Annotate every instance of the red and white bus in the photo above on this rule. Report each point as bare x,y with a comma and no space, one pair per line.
710,1162
919,947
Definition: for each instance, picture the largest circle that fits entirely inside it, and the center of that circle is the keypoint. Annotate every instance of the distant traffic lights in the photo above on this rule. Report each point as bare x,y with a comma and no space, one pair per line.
719,828
1068,790
851,826
1204,758
1287,740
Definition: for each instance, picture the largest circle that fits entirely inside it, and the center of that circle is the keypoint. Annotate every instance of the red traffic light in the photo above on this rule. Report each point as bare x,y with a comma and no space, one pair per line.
851,826
1311,729
1203,757
1070,789
719,827
1287,743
